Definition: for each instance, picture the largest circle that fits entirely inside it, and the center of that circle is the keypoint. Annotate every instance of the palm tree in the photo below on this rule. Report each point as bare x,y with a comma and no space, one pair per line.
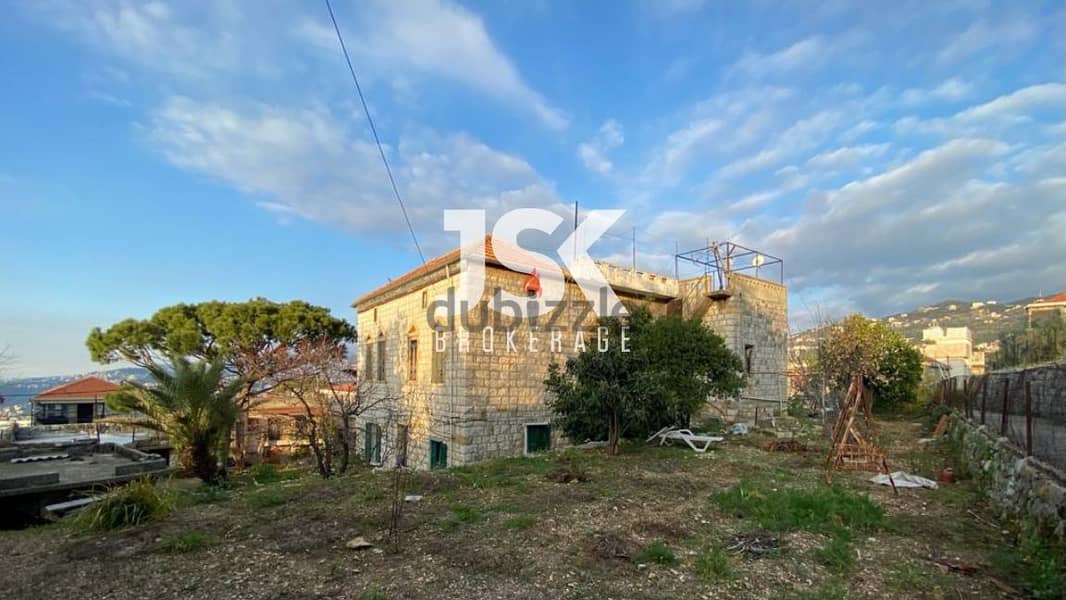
193,405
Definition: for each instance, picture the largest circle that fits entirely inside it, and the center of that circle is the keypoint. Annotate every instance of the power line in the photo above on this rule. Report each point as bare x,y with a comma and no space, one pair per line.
374,130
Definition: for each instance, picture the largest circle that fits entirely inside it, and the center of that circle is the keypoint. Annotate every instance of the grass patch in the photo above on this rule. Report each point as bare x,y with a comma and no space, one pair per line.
125,506
658,553
826,508
264,473
189,541
462,515
502,472
837,554
714,564
372,595
268,498
520,522
1041,568
207,494
830,590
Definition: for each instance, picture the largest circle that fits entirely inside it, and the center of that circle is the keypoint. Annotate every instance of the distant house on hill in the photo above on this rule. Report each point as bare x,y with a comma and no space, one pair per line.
953,346
1045,308
78,401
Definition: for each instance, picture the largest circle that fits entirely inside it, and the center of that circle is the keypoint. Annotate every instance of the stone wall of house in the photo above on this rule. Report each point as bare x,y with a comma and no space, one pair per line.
752,316
493,385
493,388
1027,492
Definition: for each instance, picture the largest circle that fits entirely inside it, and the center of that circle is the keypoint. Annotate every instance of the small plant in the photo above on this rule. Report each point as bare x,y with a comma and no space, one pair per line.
188,541
830,590
714,564
520,522
125,506
264,473
462,515
268,498
837,554
825,508
209,494
372,595
658,553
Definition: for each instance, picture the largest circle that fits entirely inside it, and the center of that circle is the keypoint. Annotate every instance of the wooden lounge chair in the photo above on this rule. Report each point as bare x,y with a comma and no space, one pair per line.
699,443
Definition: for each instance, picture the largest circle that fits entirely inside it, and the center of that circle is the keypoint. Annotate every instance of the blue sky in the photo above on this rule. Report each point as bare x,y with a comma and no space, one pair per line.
154,153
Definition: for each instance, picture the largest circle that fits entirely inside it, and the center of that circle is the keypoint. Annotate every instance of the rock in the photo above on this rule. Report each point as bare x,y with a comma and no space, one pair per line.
412,498
358,543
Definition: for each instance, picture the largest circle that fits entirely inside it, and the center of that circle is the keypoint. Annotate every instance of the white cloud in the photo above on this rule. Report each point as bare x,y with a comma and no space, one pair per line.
951,90
983,35
799,137
1013,105
593,152
310,164
807,53
447,40
847,156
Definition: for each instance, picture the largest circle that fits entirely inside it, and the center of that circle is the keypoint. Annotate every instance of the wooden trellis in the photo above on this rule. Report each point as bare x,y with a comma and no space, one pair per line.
854,445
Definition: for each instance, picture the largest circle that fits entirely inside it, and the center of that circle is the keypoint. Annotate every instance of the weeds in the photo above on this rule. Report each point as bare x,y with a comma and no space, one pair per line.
189,541
462,515
268,498
1041,567
208,494
826,508
837,554
125,506
658,553
714,564
264,473
520,522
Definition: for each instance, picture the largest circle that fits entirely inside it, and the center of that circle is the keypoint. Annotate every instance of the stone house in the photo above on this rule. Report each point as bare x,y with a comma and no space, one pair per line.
440,402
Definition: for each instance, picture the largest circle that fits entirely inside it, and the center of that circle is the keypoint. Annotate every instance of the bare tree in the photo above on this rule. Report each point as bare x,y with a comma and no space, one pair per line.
325,385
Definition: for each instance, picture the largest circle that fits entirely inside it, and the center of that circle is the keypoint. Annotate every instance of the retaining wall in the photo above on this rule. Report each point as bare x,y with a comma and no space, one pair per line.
1026,491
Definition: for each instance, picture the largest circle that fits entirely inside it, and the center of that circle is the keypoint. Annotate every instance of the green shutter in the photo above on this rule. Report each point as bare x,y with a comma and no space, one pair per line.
538,438
438,454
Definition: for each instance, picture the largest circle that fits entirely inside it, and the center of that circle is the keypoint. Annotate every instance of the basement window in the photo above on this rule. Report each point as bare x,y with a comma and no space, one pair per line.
438,454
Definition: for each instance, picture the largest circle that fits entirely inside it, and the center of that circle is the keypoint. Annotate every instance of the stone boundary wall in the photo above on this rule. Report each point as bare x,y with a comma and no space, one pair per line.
1024,489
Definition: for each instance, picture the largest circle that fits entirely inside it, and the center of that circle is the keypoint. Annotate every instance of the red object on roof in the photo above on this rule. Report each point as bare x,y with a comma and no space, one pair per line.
86,387
1059,297
493,251
532,283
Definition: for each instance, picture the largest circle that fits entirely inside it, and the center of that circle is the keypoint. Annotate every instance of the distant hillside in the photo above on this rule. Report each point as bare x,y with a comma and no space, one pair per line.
20,391
987,319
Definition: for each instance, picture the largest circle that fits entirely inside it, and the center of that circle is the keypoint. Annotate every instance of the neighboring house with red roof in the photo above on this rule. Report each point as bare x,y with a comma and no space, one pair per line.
1054,306
78,401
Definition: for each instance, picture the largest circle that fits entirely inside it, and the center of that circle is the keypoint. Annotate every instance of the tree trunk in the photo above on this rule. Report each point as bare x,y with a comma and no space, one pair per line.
614,432
239,438
204,462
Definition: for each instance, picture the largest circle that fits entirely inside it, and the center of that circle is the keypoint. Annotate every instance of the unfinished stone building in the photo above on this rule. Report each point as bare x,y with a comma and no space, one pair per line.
486,398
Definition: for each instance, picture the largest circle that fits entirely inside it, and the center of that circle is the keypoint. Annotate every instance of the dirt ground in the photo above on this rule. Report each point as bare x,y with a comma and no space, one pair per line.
505,529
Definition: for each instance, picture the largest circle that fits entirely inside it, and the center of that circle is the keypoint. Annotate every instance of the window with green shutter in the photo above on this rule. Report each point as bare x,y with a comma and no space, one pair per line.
372,444
538,438
438,454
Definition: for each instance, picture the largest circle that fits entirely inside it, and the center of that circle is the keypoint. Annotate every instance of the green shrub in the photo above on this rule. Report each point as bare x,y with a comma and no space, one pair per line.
125,506
189,541
1034,561
714,564
825,508
658,553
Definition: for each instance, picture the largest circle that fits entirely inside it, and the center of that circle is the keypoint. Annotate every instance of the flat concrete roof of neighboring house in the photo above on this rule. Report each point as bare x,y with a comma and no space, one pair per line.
70,469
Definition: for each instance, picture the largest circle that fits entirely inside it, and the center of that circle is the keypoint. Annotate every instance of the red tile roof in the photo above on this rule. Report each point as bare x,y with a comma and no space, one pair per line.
492,251
86,387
